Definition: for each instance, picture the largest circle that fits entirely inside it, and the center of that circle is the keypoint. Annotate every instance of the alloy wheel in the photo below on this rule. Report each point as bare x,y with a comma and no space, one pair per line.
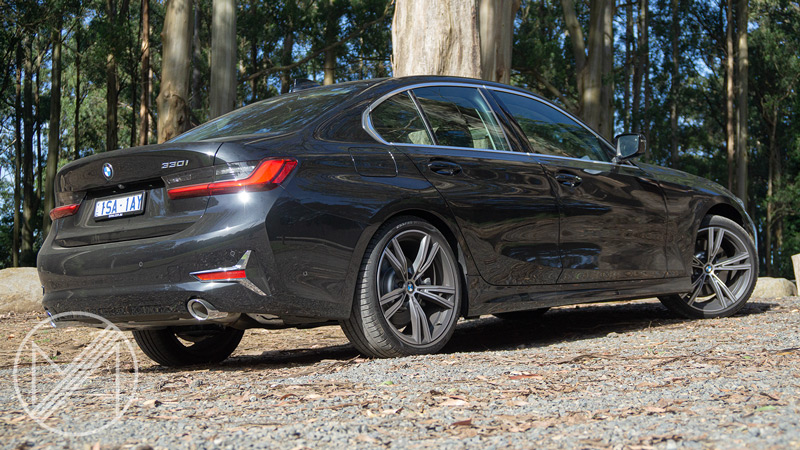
417,287
722,270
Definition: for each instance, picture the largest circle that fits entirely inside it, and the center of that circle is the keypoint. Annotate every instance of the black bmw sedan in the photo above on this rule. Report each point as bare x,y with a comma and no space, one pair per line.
392,207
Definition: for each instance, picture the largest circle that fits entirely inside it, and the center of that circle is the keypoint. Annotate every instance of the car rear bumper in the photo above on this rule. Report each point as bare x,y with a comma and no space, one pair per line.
147,282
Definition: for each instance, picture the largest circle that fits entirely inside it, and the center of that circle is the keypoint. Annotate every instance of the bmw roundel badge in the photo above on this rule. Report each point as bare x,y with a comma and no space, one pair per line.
108,171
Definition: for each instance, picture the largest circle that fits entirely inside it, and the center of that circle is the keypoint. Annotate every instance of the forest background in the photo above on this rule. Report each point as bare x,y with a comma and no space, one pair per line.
712,84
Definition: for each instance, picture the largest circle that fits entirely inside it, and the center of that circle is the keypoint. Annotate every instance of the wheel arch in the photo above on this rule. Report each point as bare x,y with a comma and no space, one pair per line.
452,234
736,214
447,227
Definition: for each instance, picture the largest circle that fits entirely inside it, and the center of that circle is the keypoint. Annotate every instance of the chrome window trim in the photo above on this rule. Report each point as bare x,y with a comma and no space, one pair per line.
450,147
366,120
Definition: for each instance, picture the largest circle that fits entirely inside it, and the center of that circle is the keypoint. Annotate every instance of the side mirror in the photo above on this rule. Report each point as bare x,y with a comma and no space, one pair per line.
629,146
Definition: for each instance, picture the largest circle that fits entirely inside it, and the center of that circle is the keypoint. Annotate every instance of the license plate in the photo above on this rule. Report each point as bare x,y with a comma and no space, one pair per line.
113,207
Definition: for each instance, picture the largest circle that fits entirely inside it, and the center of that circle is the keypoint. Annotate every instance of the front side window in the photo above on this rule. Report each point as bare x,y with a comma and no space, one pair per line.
460,117
551,132
396,120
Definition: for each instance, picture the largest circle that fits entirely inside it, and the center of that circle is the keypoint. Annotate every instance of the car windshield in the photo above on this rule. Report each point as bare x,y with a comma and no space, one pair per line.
274,116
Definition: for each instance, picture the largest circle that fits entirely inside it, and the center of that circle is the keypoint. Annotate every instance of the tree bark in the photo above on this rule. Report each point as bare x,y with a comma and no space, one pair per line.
592,63
144,102
77,120
497,38
54,133
645,51
606,127
674,85
629,67
17,159
112,86
475,35
730,131
742,66
436,38
173,117
286,59
331,36
196,102
771,175
27,257
223,57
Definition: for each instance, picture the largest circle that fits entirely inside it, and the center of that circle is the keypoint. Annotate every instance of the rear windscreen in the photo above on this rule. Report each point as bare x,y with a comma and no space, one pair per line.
279,115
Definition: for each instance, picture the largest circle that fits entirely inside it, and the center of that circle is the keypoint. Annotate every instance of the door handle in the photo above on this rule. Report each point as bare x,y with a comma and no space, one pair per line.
568,179
444,167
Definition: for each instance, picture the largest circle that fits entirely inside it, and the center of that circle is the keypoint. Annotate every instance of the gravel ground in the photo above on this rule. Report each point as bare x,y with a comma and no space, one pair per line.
628,376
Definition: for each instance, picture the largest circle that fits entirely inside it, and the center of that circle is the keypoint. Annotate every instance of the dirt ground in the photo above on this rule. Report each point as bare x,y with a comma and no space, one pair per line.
610,376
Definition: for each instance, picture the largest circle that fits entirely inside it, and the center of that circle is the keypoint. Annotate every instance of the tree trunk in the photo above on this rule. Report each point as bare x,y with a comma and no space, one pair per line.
497,38
742,66
606,127
451,43
286,59
144,102
645,51
674,86
476,36
196,102
331,36
590,62
772,166
77,120
17,159
54,134
628,77
730,132
27,257
112,86
173,117
223,58
37,124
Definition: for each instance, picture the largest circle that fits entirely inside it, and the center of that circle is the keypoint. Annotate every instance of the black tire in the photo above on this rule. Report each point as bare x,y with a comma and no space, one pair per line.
727,271
204,345
424,296
530,315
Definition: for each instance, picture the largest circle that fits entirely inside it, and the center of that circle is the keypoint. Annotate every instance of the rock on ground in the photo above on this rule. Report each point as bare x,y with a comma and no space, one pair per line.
767,287
20,290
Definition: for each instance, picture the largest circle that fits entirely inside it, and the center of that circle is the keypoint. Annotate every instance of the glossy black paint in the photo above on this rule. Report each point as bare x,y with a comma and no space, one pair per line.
528,230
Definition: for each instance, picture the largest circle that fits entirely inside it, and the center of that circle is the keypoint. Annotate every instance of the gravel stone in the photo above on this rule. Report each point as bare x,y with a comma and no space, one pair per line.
610,376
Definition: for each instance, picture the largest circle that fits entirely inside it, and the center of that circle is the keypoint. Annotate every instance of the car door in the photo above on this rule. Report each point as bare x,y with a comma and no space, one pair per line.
501,199
613,216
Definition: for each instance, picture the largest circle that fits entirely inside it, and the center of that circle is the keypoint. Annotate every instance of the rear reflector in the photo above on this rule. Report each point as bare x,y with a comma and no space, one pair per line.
224,275
64,211
268,175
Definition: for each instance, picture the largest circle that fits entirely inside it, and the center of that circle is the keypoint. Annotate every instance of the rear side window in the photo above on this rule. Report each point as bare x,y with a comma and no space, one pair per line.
551,132
460,117
397,121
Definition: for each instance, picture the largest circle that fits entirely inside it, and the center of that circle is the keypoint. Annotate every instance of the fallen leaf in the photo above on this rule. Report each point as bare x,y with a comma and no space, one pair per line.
454,402
462,423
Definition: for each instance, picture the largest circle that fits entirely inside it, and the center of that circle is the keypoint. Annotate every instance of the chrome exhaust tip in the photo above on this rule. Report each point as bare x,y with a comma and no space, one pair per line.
203,310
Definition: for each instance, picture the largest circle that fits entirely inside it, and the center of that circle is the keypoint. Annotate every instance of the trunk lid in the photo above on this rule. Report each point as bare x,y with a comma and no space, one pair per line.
118,178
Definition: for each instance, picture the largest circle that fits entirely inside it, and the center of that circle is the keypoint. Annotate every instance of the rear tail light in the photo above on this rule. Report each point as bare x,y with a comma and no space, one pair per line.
64,211
67,204
230,178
